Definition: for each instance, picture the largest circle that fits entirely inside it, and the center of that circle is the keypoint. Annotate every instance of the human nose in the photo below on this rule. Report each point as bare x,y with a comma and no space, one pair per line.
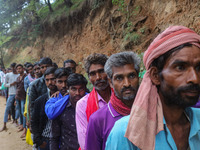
64,84
98,76
126,82
193,77
77,92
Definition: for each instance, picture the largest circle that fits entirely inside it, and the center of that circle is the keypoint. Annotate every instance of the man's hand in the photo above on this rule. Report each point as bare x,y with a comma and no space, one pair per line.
55,94
66,93
43,145
13,83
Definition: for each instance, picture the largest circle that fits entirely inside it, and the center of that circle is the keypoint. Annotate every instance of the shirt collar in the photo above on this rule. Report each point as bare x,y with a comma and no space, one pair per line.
112,111
100,98
194,121
193,115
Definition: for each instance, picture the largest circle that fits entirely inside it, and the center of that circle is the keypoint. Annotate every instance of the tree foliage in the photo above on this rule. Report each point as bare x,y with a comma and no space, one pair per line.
22,21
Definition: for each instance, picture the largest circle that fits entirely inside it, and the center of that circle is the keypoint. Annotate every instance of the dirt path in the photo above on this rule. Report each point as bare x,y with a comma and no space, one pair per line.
10,139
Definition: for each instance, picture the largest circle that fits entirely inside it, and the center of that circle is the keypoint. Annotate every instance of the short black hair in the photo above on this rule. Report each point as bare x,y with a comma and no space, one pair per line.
55,65
60,72
50,70
19,65
29,65
69,61
13,65
76,79
45,60
161,60
36,64
26,64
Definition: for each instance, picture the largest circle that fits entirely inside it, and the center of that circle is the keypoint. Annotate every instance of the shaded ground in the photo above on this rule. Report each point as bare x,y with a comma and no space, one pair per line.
10,139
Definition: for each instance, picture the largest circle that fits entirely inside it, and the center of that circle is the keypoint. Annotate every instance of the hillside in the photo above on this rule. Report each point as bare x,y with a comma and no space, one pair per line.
103,27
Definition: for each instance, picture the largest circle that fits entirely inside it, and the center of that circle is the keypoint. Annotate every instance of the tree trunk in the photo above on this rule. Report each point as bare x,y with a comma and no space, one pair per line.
68,3
49,5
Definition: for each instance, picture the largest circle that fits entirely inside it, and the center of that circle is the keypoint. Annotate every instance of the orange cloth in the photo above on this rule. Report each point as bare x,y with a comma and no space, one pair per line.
146,118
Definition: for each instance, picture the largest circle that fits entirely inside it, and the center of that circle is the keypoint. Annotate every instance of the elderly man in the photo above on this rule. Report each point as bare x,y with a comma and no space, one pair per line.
122,70
99,96
161,117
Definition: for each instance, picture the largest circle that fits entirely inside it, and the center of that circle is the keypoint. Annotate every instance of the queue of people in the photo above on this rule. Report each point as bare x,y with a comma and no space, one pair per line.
119,113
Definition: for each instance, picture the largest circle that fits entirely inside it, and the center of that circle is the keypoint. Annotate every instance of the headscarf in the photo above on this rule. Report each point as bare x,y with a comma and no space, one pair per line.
146,118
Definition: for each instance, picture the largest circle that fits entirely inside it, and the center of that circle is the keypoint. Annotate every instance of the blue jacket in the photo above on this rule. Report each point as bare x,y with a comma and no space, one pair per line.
55,106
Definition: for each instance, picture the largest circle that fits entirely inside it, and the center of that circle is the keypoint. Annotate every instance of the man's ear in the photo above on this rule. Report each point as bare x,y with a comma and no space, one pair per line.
154,75
110,82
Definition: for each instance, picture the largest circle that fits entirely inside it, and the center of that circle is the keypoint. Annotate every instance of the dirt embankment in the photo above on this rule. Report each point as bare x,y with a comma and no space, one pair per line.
102,29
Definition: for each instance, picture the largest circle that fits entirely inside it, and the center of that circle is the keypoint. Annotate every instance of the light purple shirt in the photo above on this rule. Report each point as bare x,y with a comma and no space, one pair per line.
81,118
100,124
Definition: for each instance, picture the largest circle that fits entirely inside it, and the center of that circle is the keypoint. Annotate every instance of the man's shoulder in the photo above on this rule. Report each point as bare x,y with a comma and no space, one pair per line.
100,114
83,100
122,123
37,81
43,97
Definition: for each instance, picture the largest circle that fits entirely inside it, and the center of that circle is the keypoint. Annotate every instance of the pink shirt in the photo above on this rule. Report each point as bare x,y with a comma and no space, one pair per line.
81,118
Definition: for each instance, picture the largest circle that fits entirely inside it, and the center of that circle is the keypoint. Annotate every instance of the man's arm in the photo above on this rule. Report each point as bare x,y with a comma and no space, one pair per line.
55,106
26,83
93,134
7,84
35,123
55,134
32,97
81,123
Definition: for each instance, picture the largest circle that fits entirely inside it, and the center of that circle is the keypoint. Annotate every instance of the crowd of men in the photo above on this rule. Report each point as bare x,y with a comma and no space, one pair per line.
119,113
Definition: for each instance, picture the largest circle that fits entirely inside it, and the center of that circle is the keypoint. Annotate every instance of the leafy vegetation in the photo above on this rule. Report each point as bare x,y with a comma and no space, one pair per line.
22,21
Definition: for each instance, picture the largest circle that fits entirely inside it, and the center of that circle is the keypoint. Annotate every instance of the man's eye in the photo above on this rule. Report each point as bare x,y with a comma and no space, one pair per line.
198,68
118,78
132,76
101,71
180,67
92,74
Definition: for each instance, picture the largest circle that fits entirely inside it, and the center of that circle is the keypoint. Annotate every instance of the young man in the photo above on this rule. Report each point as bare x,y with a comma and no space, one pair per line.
64,135
100,95
71,64
36,69
161,117
38,87
122,70
10,82
40,124
20,98
56,105
30,77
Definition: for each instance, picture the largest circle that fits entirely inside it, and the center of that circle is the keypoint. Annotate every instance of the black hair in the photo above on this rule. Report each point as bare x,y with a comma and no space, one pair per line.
45,60
29,65
19,65
50,70
60,72
26,64
13,65
36,64
160,61
76,79
69,61
55,65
